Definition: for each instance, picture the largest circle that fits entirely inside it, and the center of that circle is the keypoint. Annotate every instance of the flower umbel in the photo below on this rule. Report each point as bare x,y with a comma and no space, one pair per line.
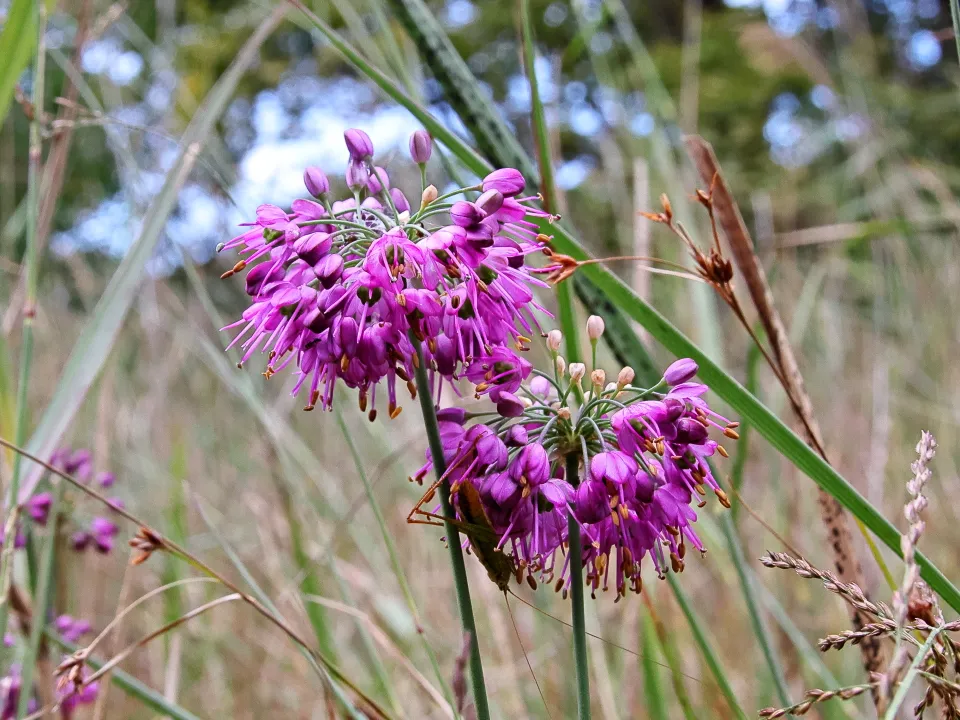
342,289
643,462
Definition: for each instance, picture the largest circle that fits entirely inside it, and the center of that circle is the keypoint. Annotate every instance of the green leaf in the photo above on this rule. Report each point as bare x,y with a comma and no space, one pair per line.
93,346
653,693
17,41
706,648
751,410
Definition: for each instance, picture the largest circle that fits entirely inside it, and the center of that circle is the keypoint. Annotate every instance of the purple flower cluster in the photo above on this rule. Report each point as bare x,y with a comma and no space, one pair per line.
344,289
642,458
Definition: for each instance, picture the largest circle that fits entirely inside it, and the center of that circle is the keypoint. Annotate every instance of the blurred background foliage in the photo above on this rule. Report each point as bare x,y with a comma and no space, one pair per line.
837,125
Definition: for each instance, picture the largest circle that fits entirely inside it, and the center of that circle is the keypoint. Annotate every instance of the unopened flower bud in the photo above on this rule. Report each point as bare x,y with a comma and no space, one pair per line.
378,180
429,195
564,413
680,371
359,144
404,217
400,201
610,387
357,176
420,147
316,182
577,371
625,377
598,377
561,365
490,201
594,327
554,338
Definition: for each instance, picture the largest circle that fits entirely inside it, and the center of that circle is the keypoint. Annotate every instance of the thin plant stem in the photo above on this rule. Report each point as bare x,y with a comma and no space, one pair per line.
394,557
576,600
41,599
31,270
464,604
955,14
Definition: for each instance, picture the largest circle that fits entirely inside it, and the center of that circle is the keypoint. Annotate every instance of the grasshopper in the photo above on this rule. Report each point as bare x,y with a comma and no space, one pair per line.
484,540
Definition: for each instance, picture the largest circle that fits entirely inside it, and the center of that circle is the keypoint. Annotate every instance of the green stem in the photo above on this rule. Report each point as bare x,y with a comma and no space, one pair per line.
955,14
576,599
464,605
31,268
41,599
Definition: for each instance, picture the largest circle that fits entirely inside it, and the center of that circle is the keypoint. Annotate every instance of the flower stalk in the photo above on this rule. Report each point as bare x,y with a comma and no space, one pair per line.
576,598
461,585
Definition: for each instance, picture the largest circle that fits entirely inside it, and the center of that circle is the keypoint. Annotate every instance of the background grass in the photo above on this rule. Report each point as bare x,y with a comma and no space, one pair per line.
860,240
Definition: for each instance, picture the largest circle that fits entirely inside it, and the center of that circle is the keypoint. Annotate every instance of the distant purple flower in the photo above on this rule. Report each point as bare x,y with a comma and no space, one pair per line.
105,479
38,507
102,532
72,629
420,147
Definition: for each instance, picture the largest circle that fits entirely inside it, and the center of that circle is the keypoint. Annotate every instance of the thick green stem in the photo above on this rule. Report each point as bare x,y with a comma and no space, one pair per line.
464,605
30,267
576,598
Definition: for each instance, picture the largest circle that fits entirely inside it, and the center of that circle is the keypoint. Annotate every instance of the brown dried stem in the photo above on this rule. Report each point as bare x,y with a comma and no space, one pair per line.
784,365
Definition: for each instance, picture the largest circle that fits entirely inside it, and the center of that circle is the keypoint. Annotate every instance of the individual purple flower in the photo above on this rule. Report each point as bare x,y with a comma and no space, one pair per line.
316,182
38,507
378,181
102,532
359,144
420,147
105,479
507,181
358,176
680,371
72,629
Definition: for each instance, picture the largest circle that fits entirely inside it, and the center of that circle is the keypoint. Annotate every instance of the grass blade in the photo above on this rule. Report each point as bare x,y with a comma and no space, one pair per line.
760,629
17,41
621,296
706,648
129,684
653,693
94,344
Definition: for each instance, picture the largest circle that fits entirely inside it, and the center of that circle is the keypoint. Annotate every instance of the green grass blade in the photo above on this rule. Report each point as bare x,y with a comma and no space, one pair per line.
328,671
760,629
94,344
706,648
653,693
955,16
392,553
623,297
17,41
748,408
907,681
129,684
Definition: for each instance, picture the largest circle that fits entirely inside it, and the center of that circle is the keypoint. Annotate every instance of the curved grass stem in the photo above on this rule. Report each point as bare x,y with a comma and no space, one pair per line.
464,604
